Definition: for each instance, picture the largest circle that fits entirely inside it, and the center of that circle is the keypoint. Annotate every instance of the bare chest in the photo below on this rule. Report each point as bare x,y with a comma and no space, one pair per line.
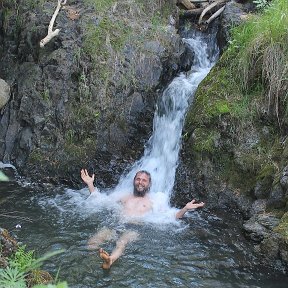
136,206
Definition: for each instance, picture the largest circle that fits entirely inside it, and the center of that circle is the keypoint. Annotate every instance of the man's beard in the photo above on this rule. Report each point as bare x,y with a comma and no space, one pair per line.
141,193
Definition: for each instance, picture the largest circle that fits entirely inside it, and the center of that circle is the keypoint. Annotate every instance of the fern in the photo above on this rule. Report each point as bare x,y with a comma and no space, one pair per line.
12,278
22,260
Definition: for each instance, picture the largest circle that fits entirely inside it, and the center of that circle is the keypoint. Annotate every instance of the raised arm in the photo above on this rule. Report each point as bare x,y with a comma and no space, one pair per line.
189,206
89,180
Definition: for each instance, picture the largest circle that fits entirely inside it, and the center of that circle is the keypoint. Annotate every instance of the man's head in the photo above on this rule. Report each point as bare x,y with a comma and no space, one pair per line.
142,183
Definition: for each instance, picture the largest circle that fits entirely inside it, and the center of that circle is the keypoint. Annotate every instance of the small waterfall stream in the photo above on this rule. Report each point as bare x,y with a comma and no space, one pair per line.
161,153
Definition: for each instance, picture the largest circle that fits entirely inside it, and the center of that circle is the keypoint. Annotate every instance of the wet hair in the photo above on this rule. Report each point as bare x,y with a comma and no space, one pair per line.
144,172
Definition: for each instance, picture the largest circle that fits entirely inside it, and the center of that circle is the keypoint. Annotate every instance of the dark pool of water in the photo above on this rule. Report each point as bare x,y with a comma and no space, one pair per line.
205,250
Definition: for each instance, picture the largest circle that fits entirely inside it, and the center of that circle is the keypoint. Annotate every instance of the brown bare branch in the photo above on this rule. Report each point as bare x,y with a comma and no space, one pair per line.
216,14
187,4
209,7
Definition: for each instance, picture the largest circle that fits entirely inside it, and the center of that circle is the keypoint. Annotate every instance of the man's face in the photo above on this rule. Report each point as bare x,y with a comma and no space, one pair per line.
141,184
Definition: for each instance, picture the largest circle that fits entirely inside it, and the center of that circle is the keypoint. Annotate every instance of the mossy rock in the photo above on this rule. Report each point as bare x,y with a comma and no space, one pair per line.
204,140
36,277
282,228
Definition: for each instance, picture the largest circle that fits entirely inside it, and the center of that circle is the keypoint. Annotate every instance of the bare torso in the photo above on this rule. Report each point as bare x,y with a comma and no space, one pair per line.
136,206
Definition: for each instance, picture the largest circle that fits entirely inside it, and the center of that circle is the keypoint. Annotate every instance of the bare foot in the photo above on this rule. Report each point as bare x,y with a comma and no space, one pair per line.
106,257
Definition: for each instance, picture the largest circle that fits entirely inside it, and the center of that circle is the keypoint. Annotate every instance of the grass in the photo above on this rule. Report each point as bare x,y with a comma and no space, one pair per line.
260,52
100,5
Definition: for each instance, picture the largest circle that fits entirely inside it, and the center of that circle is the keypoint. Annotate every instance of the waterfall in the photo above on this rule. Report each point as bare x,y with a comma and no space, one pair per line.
161,154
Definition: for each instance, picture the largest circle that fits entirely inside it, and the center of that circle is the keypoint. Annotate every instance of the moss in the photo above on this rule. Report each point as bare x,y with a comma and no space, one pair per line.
100,5
36,156
36,277
233,175
282,228
213,97
204,140
106,32
267,171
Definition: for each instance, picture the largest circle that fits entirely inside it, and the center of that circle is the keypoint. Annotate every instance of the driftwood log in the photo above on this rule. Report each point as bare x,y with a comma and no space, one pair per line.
209,7
202,8
215,15
187,4
51,34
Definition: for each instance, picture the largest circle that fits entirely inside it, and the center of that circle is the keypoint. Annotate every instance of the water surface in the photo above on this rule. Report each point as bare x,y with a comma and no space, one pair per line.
204,250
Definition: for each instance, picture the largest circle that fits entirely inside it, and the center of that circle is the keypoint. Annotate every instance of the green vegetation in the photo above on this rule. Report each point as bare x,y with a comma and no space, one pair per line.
100,5
100,39
282,228
23,270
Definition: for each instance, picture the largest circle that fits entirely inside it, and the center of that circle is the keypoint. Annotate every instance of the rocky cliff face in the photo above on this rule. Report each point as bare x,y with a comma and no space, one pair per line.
87,98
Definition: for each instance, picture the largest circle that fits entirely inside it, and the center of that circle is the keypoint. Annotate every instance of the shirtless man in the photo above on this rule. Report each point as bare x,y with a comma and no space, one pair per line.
137,204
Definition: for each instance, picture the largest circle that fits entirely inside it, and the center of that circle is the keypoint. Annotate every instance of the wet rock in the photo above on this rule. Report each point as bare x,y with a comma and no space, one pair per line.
270,246
276,198
255,231
262,188
232,16
4,93
284,178
284,251
258,207
269,221
186,59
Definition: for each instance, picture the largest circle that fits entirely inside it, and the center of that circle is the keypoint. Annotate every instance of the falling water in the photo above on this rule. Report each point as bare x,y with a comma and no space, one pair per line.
161,154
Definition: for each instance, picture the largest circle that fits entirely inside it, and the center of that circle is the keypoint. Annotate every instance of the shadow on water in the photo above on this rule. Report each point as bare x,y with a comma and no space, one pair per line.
203,250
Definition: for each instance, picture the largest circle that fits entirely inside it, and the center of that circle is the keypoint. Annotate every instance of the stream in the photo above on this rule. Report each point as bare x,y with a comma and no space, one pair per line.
203,250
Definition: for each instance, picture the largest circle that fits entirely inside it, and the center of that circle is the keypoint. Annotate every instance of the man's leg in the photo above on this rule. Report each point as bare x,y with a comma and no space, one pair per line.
105,234
126,237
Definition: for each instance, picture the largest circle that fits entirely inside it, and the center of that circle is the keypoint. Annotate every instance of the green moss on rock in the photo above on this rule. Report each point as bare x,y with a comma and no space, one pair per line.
282,228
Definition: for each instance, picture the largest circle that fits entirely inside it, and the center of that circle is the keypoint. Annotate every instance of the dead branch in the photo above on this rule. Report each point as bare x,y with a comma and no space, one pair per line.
187,4
199,1
209,7
193,12
216,14
52,33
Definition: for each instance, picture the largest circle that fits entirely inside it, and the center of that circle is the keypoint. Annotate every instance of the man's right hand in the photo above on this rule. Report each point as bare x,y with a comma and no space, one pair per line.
89,180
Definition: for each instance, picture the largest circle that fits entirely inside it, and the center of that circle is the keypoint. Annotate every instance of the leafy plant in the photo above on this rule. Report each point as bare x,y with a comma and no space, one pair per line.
12,278
20,265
